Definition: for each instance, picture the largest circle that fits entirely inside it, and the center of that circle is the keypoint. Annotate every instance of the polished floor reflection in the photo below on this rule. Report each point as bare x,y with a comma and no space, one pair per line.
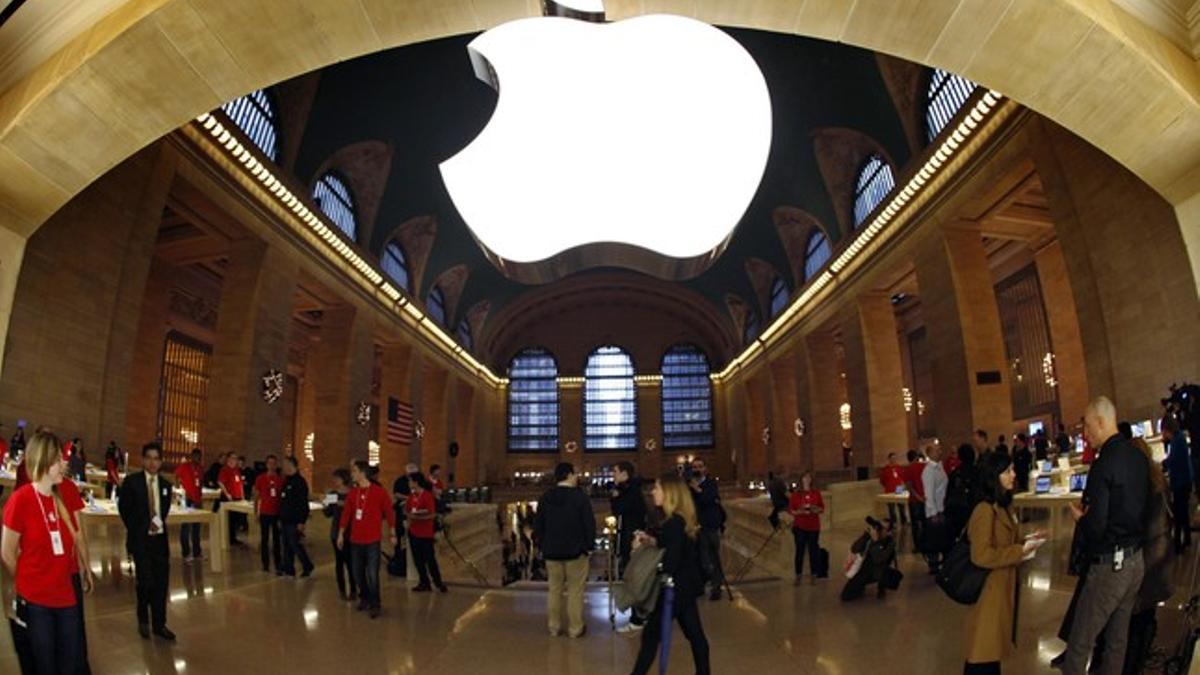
244,621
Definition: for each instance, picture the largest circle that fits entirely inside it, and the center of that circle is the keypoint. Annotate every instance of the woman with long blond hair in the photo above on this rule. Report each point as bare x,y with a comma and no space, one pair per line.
677,536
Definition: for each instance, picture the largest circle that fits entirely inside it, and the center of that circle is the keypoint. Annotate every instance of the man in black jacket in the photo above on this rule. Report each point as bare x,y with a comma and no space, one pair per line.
628,504
293,514
144,505
711,515
565,529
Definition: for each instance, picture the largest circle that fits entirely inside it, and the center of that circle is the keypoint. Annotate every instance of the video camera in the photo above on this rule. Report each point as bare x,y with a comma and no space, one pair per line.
878,526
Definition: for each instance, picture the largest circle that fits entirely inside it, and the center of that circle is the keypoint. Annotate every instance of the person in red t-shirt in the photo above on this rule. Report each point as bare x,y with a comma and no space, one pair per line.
81,579
421,509
367,506
267,490
435,480
806,507
112,472
891,478
38,548
229,480
916,495
189,476
951,461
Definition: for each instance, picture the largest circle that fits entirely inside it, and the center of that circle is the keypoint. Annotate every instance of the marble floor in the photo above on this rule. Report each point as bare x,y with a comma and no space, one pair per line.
244,621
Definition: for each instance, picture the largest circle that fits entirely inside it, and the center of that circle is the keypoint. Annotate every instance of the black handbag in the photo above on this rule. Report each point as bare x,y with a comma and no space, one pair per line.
892,578
960,578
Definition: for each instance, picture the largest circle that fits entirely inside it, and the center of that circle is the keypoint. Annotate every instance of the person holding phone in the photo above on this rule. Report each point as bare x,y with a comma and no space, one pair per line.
144,505
806,507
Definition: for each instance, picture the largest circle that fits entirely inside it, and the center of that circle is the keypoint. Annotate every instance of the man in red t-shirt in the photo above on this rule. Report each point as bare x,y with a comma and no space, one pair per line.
267,490
916,495
421,509
189,476
229,480
367,506
891,477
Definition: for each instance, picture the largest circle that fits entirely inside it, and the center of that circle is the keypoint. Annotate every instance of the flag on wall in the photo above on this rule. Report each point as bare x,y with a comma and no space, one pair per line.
399,421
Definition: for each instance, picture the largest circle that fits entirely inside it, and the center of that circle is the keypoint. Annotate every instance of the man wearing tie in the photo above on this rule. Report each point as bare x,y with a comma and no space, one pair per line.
144,504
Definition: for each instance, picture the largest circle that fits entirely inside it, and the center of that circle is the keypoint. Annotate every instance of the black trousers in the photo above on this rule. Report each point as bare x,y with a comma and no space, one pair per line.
898,513
84,667
710,557
1181,527
293,547
364,560
54,640
268,530
425,559
342,569
152,565
189,535
688,615
989,668
810,542
917,511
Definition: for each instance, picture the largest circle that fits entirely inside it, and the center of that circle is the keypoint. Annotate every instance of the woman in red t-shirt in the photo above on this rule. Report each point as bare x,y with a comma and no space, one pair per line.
421,511
229,480
367,506
38,550
806,507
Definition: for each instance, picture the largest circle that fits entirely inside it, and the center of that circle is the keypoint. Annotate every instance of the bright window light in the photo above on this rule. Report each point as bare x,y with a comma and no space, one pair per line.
653,131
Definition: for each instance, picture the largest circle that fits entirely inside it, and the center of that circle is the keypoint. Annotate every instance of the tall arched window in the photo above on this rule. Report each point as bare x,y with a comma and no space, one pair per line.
752,327
465,339
435,306
875,181
946,95
335,201
816,253
533,402
255,114
395,265
609,401
686,398
779,296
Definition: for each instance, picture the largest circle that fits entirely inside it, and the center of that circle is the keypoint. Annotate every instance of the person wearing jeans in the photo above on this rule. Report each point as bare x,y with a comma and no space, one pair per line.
421,510
189,476
565,529
806,507
268,487
367,506
293,514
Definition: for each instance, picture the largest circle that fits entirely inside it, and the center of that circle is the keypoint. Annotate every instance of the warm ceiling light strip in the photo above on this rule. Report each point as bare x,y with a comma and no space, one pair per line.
888,220
306,221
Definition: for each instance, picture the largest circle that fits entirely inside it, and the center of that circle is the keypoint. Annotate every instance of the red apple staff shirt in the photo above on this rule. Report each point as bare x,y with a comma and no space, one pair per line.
231,479
189,476
808,522
268,490
420,528
368,507
73,502
43,570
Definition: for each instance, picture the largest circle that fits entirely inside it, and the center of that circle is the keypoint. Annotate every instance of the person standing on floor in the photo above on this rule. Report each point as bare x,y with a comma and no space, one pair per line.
421,510
367,506
229,480
293,515
628,505
680,569
565,530
189,476
996,546
913,474
144,505
268,489
962,493
112,473
891,477
1113,529
335,504
401,489
777,491
1022,464
806,507
935,482
1179,468
712,521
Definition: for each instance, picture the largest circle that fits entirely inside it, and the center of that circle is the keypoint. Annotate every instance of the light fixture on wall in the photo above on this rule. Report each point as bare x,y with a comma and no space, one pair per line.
908,398
921,408
362,413
272,386
845,415
1015,367
798,427
309,442
372,453
190,435
766,435
1049,372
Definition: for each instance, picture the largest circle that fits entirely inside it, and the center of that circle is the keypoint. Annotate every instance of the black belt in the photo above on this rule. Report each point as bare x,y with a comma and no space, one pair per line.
1108,557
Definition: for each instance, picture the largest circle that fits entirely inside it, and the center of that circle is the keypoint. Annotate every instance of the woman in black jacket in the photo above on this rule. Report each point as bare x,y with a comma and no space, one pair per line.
335,501
680,567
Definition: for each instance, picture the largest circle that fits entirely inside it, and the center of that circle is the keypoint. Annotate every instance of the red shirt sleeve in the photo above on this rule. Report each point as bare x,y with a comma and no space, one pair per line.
351,500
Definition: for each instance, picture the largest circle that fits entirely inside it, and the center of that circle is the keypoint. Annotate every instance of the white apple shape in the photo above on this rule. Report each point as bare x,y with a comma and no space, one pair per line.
653,131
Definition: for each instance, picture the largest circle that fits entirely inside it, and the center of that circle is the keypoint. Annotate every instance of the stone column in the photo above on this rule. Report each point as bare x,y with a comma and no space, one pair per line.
757,412
875,377
1063,322
784,442
570,422
433,413
341,366
958,302
650,425
145,377
823,426
253,322
464,466
395,382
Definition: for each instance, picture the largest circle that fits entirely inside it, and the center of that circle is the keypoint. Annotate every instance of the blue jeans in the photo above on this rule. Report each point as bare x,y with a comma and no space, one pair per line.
54,638
364,560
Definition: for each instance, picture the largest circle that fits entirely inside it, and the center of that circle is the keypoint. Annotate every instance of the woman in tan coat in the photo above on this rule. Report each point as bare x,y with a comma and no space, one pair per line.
996,545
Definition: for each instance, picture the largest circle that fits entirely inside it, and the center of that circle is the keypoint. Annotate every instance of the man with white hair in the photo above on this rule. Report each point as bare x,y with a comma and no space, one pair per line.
1111,521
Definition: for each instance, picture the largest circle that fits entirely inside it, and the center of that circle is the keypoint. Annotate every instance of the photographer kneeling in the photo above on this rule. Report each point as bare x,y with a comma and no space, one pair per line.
878,551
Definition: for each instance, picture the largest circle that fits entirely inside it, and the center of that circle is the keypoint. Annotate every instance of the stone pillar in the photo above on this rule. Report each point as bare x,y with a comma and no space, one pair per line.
757,411
570,422
823,426
464,466
650,425
1063,321
145,378
253,323
785,443
433,413
875,377
395,382
958,302
341,366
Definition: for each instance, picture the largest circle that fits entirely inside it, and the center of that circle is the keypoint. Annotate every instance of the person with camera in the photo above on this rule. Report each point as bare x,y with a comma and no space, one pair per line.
712,520
145,504
680,570
565,530
1179,469
996,546
421,510
877,549
806,507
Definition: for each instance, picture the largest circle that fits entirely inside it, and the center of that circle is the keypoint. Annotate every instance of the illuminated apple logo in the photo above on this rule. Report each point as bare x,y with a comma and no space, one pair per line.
652,132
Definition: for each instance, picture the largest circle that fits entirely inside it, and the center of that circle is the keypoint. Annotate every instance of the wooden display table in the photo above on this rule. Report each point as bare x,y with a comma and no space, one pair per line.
1054,503
103,512
247,507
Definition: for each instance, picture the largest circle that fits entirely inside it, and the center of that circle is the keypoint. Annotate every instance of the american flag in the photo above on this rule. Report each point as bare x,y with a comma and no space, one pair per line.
399,421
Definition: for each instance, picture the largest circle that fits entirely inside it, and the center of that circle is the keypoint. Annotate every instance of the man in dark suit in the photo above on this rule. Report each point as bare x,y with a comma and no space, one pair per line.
144,505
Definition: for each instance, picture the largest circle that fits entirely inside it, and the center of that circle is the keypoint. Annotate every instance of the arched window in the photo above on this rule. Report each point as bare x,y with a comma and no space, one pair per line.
609,401
779,297
255,114
464,335
435,306
752,327
875,181
816,253
946,95
686,399
395,265
533,402
335,201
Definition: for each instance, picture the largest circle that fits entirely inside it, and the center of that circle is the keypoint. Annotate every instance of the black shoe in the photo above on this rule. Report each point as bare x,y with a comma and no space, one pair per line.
1058,661
352,596
362,606
144,630
373,612
715,595
165,633
307,573
443,588
421,588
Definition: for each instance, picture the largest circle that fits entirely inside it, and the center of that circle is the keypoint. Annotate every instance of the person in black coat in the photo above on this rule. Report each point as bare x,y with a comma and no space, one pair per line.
335,501
629,506
293,514
878,549
565,530
145,522
711,515
678,536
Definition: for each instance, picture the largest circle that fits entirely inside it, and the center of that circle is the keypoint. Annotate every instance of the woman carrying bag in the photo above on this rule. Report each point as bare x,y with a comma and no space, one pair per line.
996,546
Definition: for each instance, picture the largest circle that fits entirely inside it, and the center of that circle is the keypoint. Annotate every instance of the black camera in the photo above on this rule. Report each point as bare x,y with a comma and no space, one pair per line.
874,523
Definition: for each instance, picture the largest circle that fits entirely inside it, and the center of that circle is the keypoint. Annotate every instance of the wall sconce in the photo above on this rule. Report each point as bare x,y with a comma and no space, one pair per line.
908,399
1048,370
845,414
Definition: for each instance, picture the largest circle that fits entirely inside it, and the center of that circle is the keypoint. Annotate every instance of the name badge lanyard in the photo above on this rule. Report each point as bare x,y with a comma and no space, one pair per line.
56,542
362,505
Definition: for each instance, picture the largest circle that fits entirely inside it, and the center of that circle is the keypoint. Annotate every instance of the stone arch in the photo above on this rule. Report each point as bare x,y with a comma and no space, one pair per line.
365,165
416,237
794,225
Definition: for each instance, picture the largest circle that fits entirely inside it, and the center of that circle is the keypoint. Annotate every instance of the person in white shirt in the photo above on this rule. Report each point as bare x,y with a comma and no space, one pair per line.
933,476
